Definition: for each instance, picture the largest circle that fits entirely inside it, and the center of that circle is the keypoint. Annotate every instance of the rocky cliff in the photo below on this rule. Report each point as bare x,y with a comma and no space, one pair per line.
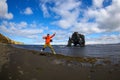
4,39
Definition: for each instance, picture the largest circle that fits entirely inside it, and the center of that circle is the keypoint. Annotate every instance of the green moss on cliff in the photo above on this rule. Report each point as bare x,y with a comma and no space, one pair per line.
4,39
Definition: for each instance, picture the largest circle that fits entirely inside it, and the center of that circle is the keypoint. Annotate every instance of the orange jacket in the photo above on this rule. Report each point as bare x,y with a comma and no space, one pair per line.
48,38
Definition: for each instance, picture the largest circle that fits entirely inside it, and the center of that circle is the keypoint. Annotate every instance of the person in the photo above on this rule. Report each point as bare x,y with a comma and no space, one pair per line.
48,39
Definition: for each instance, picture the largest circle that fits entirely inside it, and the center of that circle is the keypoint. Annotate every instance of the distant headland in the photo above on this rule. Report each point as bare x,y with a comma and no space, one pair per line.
4,39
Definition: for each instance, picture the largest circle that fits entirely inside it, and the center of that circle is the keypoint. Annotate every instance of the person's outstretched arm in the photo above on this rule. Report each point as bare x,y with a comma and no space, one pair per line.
53,35
44,37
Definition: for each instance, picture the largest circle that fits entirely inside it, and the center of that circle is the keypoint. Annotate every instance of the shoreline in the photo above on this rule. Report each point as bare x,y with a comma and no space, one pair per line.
25,64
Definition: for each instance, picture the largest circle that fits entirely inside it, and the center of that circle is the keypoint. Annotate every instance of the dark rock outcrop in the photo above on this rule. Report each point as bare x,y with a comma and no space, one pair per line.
76,39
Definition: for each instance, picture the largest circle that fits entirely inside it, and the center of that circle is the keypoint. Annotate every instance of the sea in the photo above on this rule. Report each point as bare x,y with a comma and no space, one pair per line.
95,50
106,51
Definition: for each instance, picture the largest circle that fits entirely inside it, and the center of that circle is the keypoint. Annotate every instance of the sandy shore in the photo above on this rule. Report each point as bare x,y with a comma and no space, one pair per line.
21,64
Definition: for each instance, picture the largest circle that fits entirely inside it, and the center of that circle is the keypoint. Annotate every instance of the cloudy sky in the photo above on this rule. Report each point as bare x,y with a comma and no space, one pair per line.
28,20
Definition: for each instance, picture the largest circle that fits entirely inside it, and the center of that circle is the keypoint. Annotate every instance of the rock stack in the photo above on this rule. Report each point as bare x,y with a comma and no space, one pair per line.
76,39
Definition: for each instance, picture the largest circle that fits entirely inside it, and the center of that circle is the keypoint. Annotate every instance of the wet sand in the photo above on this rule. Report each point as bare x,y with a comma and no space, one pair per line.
21,64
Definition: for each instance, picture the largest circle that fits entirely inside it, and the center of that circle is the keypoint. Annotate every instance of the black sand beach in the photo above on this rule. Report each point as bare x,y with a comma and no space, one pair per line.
22,64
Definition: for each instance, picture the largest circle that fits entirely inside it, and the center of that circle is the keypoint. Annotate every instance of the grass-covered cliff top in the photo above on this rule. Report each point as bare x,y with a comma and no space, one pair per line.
4,39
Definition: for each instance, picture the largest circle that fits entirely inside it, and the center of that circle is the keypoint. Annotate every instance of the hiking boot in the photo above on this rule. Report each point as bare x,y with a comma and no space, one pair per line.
54,53
41,50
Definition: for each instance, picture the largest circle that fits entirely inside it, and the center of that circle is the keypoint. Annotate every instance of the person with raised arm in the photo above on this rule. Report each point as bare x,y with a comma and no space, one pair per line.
48,39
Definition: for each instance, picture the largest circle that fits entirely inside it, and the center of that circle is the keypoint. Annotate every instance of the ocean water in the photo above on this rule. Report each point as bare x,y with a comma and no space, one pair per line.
97,50
101,51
